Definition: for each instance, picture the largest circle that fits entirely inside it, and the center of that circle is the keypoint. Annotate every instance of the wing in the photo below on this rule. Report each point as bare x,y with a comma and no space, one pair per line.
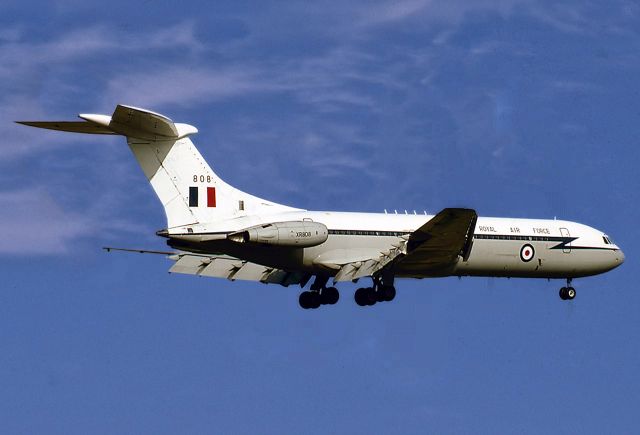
431,250
437,245
224,266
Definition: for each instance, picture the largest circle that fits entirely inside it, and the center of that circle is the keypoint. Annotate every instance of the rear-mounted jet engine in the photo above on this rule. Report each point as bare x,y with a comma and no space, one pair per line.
300,234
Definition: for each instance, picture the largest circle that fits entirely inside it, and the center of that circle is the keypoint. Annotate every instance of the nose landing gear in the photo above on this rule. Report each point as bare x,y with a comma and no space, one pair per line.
567,293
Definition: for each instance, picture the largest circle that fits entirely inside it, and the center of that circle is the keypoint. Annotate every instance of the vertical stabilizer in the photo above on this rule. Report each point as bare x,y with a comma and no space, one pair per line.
187,187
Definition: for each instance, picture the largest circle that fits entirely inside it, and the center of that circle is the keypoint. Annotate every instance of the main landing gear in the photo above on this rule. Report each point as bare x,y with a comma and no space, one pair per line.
315,298
380,292
567,293
318,294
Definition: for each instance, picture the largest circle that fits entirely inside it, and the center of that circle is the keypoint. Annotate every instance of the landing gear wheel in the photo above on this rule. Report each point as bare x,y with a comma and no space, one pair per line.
304,301
381,291
563,293
388,292
309,300
329,296
370,296
314,298
568,293
360,297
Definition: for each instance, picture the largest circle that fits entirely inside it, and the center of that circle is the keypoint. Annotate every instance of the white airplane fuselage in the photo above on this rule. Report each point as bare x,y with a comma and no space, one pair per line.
560,249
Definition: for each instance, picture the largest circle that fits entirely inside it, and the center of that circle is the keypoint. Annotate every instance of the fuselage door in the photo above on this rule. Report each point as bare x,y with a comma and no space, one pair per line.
564,232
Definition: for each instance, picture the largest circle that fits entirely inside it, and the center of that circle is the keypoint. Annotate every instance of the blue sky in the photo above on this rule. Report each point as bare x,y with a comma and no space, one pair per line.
513,107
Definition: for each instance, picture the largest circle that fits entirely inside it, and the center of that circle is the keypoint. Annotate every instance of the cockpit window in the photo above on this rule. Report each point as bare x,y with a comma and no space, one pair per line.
605,239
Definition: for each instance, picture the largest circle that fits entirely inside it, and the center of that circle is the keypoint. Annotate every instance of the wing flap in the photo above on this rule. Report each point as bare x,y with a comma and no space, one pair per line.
250,272
274,276
189,264
224,266
352,271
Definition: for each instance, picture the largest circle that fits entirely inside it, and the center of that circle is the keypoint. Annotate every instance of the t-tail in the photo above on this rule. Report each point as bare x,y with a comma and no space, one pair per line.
190,192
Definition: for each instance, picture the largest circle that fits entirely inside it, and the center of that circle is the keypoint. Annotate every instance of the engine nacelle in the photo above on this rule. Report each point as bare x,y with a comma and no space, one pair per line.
300,234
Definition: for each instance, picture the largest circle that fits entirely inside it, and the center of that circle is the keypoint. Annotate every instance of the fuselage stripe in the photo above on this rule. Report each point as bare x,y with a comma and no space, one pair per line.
368,233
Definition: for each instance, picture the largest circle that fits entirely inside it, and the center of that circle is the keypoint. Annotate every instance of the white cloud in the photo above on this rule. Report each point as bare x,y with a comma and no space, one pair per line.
356,17
565,18
386,12
34,223
19,55
182,86
322,81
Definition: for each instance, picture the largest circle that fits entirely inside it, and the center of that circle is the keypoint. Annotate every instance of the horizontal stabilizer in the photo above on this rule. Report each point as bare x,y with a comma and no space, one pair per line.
125,120
72,126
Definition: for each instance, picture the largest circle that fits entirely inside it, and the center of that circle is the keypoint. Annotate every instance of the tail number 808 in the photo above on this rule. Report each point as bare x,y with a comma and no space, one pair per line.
202,178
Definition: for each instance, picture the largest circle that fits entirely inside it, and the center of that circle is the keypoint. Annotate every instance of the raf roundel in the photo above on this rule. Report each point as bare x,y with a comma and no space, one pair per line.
527,253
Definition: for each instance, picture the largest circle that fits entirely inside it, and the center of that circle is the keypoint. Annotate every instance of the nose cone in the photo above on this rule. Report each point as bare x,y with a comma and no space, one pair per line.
619,257
616,258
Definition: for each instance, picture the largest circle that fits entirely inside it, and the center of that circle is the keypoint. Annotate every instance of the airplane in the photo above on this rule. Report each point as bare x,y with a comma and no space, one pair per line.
217,230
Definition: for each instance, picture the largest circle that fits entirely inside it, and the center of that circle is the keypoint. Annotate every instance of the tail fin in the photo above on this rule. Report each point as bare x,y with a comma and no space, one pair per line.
189,190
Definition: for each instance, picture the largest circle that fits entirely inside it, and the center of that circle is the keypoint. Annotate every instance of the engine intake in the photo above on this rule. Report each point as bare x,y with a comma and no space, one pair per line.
300,234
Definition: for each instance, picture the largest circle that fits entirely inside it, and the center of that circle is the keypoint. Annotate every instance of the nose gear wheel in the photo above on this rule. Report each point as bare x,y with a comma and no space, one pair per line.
567,293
